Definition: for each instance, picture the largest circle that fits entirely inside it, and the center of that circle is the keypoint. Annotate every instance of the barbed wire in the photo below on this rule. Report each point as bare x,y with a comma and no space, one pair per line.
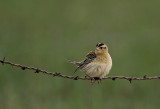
37,70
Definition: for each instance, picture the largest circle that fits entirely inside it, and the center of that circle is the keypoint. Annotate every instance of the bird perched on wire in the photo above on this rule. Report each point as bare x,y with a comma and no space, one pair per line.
97,63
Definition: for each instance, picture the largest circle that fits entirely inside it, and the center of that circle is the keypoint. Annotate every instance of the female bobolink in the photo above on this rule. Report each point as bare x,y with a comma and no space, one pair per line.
97,64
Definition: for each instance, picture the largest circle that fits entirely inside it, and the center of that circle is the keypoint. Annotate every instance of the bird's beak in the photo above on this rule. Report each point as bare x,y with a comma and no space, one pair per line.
97,48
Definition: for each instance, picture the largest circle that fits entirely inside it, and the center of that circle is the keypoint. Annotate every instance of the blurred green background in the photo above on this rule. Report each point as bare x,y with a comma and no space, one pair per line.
45,34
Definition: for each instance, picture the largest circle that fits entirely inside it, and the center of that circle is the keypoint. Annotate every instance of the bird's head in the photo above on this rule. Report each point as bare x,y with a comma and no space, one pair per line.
101,49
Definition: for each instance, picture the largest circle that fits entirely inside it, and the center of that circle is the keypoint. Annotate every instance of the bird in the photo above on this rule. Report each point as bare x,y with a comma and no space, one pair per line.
97,63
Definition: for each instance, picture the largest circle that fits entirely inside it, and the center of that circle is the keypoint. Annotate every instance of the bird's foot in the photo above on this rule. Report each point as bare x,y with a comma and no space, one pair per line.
91,78
99,81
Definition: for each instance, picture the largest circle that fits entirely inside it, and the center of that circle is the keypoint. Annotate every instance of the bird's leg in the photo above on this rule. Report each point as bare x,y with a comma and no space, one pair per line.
92,81
99,80
91,78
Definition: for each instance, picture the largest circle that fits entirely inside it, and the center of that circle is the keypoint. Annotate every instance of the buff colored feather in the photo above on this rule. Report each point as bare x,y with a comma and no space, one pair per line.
98,63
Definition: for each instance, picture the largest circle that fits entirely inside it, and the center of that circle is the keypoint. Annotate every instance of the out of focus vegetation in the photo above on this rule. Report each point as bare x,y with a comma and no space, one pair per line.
45,34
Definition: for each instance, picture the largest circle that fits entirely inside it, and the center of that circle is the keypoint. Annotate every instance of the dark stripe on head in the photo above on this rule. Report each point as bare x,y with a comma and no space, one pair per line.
99,44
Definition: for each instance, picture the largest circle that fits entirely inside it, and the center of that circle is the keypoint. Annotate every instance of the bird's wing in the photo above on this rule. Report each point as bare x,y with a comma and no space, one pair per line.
89,58
91,55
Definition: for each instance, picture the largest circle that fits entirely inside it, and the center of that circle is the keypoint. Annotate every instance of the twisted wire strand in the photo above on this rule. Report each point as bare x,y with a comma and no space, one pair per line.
37,70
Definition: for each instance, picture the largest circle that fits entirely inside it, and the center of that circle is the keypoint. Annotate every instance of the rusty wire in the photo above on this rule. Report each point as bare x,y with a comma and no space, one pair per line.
37,70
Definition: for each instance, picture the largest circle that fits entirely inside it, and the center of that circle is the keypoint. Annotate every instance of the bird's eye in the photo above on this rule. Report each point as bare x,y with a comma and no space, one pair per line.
101,47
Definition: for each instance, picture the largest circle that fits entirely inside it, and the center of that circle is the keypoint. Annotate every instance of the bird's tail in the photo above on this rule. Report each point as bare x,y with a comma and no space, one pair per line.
74,62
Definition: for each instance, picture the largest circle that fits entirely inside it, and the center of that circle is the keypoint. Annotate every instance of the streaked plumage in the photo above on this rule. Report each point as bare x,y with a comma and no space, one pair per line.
97,63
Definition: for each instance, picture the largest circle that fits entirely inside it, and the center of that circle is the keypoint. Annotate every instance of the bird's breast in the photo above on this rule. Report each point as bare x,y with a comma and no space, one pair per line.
99,67
94,69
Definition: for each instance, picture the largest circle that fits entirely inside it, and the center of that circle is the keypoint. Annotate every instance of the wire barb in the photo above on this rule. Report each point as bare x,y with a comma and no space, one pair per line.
113,79
2,61
144,76
23,68
130,80
76,78
37,70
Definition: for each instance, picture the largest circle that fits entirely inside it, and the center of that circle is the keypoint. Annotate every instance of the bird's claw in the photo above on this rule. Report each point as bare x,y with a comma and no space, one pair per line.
99,81
91,78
